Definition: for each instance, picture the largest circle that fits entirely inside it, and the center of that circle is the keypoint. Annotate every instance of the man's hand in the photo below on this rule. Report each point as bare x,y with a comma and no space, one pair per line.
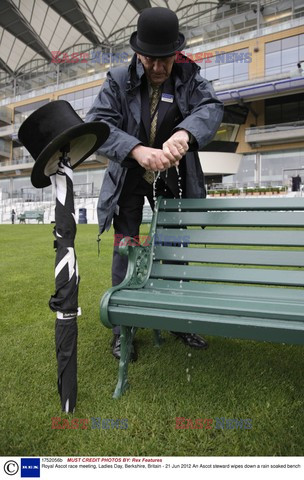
176,146
150,158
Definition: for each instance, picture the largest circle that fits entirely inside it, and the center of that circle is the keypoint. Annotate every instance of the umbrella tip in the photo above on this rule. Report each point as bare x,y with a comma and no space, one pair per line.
67,407
67,404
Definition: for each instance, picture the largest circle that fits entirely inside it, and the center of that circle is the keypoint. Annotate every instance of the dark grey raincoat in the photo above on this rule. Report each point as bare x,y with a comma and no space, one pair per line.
119,104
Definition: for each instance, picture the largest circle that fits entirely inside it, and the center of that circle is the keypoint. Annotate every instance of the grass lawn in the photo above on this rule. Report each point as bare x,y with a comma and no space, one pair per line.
235,379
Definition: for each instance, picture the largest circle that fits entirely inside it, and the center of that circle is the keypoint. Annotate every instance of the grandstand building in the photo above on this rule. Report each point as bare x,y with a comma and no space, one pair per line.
252,51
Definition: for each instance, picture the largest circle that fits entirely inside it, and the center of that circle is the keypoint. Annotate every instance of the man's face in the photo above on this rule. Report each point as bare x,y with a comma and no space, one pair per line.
157,70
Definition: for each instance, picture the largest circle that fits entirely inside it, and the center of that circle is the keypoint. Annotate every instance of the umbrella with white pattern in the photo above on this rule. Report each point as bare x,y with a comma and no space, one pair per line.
65,300
59,140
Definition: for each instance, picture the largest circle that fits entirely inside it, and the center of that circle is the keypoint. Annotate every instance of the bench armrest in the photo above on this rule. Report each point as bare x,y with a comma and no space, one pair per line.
140,261
138,271
139,266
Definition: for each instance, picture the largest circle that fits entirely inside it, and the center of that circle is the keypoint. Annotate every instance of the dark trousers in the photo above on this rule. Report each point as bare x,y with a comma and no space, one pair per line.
129,217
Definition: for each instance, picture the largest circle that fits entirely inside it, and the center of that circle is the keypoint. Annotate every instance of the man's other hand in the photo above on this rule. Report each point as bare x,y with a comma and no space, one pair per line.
176,146
150,158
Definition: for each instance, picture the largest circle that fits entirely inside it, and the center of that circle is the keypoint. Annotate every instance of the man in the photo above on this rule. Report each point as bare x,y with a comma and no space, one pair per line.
160,112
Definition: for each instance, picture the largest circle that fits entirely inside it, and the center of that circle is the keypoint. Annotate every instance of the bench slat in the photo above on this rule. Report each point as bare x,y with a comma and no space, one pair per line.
250,219
234,256
223,325
220,289
225,274
247,204
194,302
219,236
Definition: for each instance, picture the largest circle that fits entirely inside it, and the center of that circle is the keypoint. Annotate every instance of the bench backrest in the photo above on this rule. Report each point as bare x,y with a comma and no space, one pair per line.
240,241
33,214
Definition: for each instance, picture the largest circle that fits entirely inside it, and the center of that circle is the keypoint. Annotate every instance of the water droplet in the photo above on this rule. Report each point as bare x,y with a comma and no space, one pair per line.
188,377
187,370
189,321
179,182
151,284
157,176
189,354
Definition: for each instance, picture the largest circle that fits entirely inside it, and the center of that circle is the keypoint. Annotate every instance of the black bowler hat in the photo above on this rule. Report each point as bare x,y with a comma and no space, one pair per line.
52,127
157,33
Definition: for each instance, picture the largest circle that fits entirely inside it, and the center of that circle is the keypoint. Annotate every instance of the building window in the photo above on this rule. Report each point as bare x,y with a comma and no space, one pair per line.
227,67
278,167
24,111
283,55
246,175
227,132
284,109
81,100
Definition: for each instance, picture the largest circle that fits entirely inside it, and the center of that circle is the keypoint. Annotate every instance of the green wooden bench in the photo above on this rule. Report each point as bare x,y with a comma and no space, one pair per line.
31,215
241,276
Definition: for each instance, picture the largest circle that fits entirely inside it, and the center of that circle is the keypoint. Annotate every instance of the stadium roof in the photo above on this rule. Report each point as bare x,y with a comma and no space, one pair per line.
33,29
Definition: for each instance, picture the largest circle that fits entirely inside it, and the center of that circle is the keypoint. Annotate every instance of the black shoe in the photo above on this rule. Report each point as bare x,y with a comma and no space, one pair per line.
115,344
191,339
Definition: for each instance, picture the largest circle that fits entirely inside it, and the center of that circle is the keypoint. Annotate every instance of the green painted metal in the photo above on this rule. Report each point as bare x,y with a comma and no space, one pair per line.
255,292
32,215
239,204
224,325
188,301
232,219
237,257
158,339
139,267
126,337
247,291
218,236
226,274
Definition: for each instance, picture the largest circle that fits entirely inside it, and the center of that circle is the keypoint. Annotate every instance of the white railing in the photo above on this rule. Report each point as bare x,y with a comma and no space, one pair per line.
277,127
20,206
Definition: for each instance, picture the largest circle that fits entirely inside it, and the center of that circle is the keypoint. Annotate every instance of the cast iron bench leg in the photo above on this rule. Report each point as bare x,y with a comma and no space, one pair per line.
126,337
158,339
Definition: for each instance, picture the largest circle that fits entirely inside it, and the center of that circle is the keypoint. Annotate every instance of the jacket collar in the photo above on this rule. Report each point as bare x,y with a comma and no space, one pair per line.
183,71
135,73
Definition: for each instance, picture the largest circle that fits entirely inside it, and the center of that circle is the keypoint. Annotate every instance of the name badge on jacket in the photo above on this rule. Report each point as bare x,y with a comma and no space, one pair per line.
167,97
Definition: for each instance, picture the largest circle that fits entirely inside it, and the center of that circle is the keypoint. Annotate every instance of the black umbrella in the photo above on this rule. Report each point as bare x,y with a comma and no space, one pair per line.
50,134
65,300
